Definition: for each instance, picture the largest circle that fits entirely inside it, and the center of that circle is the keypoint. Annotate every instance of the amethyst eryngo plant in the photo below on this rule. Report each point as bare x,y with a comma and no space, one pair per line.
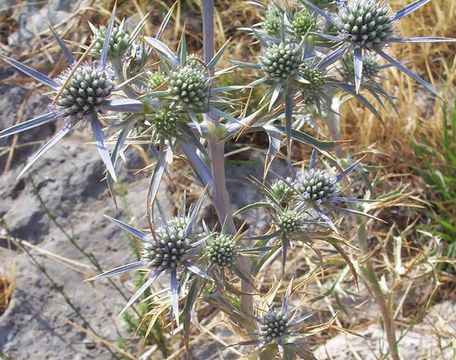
315,55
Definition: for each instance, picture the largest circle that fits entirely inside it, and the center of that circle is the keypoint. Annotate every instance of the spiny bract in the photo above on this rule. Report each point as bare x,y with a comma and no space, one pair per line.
85,91
222,251
118,44
169,247
273,325
190,87
280,60
140,55
366,23
371,68
317,186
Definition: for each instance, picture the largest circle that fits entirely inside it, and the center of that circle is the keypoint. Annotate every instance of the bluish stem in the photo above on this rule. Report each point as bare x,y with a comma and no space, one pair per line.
333,121
216,149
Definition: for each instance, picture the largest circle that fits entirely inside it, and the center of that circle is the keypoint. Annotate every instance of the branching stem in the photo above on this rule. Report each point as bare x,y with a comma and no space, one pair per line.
216,149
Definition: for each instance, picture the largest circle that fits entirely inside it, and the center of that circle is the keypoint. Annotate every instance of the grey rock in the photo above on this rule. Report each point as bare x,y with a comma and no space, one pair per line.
11,98
36,18
430,339
38,321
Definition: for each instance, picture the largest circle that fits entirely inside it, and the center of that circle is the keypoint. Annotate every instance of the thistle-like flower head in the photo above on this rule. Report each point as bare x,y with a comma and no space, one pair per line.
118,44
165,123
273,21
83,94
279,61
368,26
289,221
317,186
222,250
169,247
278,329
302,23
281,191
155,79
314,75
366,23
78,94
190,87
274,325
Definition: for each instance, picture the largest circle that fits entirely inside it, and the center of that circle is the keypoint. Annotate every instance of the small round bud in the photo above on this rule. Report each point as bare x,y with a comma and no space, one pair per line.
165,123
118,44
155,79
289,221
282,191
222,251
273,21
314,76
302,23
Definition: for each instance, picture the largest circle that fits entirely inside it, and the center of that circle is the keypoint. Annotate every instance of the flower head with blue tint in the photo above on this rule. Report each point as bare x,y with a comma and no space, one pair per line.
83,91
118,43
273,20
222,252
79,94
172,249
365,26
320,189
321,85
290,219
302,23
279,67
278,329
188,84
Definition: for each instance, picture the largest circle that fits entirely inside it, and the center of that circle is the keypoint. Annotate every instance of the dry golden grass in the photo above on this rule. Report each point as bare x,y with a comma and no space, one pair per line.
7,278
